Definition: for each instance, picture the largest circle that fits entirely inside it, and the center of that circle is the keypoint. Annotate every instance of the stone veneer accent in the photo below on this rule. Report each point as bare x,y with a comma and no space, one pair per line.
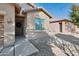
1,30
8,10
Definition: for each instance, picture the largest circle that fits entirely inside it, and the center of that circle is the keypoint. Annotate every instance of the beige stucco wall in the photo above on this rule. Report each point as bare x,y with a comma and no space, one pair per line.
9,23
76,29
46,19
69,27
63,27
54,27
66,27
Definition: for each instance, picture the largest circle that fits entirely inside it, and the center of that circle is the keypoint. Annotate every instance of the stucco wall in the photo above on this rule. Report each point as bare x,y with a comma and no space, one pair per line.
54,27
46,19
66,27
63,27
76,29
69,27
9,23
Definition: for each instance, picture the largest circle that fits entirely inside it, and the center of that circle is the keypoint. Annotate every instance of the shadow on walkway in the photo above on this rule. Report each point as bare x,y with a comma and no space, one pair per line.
41,41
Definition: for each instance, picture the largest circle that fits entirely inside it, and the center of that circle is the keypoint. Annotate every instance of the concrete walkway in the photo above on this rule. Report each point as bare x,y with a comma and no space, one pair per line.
22,48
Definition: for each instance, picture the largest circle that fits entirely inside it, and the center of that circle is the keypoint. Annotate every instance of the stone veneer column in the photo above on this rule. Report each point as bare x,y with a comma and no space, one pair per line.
8,10
1,30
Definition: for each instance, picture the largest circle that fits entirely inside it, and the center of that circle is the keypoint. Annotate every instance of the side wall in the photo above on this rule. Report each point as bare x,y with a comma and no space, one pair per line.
46,19
69,27
54,27
9,23
66,27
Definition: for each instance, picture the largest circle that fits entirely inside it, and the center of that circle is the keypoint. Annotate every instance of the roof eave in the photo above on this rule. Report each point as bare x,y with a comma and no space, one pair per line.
17,7
39,9
61,21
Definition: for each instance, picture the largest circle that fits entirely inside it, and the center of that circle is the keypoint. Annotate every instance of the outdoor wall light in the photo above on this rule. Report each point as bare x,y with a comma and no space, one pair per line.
18,24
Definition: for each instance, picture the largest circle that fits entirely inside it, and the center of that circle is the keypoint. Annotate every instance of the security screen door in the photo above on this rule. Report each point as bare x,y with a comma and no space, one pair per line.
38,24
60,27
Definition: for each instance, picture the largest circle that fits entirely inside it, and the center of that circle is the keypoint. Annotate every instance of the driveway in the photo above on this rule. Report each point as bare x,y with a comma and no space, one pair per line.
41,41
68,38
69,44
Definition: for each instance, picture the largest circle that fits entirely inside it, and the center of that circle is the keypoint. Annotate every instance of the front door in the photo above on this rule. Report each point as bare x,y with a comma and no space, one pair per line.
38,24
19,28
1,31
60,27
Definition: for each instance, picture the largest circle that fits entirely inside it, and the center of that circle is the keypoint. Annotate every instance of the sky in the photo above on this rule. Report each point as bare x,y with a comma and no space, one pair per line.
58,10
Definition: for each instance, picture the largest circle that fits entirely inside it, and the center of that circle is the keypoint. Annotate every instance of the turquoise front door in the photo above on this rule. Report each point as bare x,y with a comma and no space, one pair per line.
38,24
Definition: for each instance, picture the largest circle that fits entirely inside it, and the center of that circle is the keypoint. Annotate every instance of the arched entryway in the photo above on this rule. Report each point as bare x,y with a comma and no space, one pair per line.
19,26
60,24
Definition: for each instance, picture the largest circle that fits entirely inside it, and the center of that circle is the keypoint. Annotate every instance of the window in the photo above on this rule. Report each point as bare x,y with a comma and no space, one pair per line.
39,24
